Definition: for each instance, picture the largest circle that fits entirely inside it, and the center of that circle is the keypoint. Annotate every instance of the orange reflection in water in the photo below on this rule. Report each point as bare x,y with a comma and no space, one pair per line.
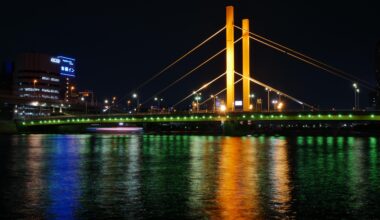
279,176
238,195
33,166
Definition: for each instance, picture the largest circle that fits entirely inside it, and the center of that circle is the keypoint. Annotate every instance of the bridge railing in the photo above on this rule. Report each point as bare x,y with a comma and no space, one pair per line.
186,113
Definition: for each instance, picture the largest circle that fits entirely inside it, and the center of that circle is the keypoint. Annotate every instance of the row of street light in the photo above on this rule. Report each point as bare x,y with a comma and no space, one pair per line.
278,105
135,99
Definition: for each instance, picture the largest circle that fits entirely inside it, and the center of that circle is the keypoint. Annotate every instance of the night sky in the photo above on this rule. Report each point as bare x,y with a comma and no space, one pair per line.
120,45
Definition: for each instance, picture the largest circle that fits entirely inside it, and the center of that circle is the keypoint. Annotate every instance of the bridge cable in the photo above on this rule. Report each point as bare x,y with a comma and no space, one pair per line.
200,89
188,73
309,60
276,90
184,76
177,60
313,64
221,91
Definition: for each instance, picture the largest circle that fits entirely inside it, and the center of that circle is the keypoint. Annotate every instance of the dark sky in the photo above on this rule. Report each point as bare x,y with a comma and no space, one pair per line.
120,45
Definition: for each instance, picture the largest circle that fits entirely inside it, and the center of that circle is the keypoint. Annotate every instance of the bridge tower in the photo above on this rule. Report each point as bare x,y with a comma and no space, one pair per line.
246,65
230,59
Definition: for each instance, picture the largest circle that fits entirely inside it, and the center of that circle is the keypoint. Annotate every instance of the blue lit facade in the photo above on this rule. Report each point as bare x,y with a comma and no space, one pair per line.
67,65
67,72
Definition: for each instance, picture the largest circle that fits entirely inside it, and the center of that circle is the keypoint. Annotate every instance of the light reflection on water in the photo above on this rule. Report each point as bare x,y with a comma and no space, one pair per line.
146,176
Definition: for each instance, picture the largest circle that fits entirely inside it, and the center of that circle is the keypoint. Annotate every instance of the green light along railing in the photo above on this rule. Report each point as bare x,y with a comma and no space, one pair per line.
205,118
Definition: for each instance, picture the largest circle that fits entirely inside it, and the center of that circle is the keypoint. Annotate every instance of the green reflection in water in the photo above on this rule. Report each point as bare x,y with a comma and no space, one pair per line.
192,177
374,161
300,140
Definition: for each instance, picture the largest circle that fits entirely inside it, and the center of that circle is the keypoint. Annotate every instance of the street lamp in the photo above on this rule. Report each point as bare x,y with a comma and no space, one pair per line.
71,92
268,91
106,107
197,98
274,102
251,96
356,92
135,96
158,100
280,106
84,100
34,86
223,108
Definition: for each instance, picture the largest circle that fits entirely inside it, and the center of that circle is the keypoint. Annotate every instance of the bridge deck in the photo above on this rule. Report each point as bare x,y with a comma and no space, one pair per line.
205,117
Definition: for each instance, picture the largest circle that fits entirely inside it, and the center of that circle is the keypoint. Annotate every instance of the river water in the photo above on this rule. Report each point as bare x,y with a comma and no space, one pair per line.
95,176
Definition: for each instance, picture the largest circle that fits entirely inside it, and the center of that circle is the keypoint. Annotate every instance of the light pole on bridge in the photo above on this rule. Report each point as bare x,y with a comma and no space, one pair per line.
268,98
251,96
85,102
356,96
135,96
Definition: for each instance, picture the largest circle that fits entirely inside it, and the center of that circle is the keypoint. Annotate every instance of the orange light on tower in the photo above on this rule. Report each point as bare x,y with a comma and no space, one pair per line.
246,65
230,59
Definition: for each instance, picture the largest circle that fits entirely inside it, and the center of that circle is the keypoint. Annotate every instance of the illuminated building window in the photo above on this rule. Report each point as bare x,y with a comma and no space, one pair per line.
29,89
50,91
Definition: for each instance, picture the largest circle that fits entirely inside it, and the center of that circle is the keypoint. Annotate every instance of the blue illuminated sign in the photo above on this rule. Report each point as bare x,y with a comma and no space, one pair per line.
67,65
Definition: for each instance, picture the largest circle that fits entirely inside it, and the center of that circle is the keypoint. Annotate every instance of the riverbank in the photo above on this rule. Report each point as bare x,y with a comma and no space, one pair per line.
8,127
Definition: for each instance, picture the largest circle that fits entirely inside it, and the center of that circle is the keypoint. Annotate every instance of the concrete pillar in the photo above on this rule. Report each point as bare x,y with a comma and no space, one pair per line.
230,59
246,65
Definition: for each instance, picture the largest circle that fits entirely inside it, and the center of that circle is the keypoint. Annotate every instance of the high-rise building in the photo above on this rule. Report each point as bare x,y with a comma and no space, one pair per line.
36,78
44,82
68,73
37,81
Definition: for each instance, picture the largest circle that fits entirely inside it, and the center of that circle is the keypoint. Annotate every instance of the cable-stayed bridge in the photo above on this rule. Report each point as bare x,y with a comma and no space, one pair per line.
226,111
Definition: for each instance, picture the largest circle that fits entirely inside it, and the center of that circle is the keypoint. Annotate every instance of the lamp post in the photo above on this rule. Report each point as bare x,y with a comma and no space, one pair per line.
158,100
274,102
356,92
85,102
34,86
268,91
197,98
135,96
251,96
106,107
71,92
